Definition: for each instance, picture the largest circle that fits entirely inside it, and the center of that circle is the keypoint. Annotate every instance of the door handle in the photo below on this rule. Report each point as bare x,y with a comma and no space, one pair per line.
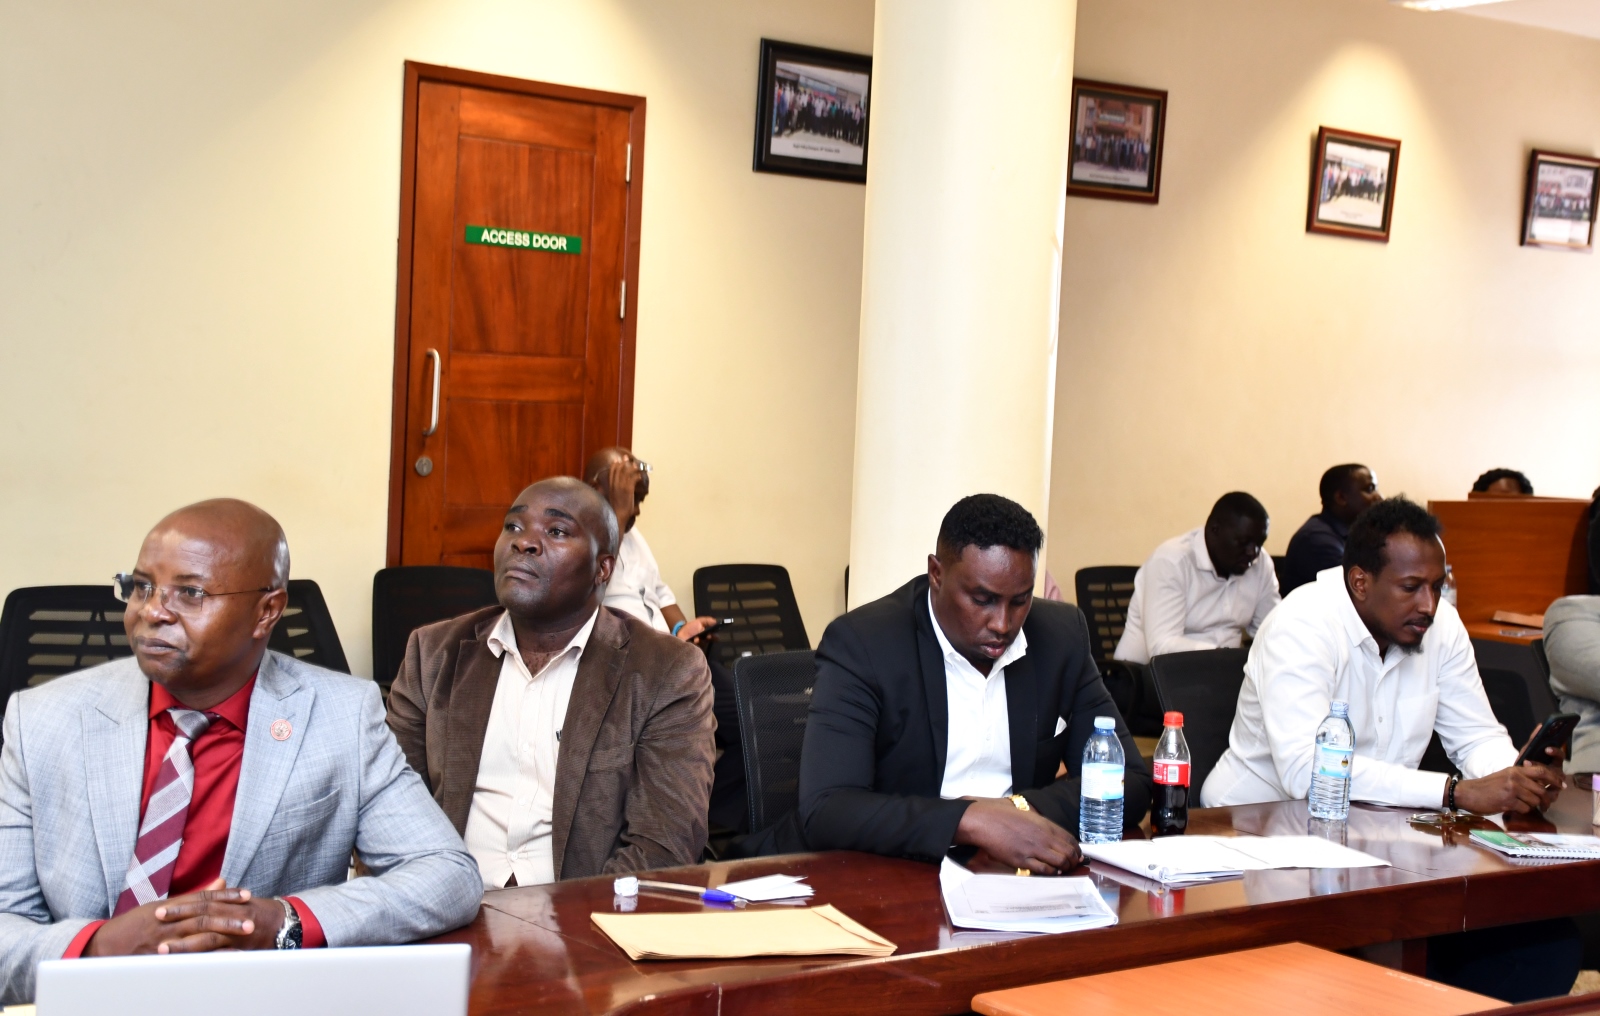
433,423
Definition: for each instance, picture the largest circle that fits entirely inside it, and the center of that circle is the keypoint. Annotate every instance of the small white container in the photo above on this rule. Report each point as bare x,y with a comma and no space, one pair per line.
1596,819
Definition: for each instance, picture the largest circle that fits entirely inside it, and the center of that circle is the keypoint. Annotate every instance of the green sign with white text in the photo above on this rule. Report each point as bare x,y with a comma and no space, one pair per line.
494,236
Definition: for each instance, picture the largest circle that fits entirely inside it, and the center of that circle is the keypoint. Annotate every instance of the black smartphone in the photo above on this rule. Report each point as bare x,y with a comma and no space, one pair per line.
713,629
1552,733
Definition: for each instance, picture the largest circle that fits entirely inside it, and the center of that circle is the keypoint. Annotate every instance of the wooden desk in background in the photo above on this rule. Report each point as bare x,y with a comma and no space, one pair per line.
535,949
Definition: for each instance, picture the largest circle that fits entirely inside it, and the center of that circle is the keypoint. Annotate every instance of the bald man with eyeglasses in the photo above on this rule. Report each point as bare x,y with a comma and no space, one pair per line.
207,793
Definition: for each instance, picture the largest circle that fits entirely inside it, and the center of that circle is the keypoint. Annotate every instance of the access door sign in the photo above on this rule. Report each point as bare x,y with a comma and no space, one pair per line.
495,236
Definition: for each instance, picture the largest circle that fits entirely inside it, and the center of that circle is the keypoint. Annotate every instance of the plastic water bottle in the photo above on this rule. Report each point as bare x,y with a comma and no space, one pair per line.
1100,807
1169,812
1448,591
1330,764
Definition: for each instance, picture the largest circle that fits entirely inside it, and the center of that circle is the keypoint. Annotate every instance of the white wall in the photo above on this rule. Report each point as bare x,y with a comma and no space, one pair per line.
1209,343
198,212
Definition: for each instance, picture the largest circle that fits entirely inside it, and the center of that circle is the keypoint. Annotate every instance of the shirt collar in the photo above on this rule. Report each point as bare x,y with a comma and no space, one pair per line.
235,708
1197,550
1015,651
1354,627
503,637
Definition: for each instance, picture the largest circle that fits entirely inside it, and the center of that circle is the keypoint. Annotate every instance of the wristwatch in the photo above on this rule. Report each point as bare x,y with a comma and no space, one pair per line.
290,934
1021,802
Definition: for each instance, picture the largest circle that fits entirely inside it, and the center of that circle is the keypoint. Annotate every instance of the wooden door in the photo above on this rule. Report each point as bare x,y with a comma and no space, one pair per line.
514,326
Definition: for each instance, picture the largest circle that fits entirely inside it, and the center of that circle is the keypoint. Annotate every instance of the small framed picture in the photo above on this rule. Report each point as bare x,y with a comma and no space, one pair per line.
1560,205
1117,133
812,112
1352,184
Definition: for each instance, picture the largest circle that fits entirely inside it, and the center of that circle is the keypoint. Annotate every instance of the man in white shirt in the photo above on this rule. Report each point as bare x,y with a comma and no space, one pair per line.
1376,634
1206,589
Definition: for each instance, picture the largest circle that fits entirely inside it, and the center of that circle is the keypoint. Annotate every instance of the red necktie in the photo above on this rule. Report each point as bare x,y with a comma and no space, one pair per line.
161,833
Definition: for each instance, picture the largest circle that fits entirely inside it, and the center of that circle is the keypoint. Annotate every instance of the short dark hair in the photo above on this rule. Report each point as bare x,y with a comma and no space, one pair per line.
988,520
1364,548
1335,480
1489,479
1237,505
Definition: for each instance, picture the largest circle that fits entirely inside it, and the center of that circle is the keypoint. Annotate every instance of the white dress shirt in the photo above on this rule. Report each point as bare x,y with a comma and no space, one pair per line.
1314,649
509,826
636,585
977,760
1180,602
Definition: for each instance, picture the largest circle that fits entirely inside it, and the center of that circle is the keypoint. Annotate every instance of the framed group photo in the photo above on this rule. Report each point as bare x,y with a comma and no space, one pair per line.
1117,136
1352,184
1559,208
812,110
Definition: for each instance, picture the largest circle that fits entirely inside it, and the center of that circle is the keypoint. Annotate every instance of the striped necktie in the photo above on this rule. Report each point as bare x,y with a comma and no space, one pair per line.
161,833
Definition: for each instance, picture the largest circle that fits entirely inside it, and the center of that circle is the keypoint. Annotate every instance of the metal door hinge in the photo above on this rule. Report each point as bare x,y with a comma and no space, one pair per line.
627,169
622,308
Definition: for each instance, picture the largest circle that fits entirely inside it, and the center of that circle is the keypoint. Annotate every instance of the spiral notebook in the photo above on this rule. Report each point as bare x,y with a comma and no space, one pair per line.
1547,845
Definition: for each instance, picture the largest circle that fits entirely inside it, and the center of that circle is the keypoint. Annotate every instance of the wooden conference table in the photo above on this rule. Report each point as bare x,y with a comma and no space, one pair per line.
535,949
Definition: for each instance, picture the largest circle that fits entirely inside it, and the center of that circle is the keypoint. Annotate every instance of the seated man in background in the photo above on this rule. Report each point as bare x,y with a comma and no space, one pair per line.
1503,481
636,587
229,783
1572,643
1378,635
562,738
1346,491
1206,589
943,711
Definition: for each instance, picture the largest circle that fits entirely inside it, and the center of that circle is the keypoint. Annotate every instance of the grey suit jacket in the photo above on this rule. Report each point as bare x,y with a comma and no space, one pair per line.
71,779
1572,643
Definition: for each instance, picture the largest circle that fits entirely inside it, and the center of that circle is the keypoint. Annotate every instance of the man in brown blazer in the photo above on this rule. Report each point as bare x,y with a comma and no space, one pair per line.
562,738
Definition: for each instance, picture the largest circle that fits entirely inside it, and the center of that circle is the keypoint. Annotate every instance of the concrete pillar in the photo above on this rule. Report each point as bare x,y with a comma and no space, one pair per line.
966,182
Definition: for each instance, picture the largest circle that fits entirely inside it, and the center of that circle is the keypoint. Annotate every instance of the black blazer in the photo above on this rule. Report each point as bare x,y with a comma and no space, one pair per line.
874,752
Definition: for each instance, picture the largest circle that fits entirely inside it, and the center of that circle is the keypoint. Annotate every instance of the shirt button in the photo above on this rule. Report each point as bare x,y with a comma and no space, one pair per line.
516,855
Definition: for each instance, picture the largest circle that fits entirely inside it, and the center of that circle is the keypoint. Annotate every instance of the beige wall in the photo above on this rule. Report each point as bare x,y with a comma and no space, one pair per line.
1209,343
198,205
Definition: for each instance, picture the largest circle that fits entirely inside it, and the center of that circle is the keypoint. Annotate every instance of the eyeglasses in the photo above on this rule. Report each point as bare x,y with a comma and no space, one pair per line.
182,599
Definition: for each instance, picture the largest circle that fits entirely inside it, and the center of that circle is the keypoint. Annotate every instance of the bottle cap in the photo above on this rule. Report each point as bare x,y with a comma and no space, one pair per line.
628,885
1104,723
1340,709
1172,719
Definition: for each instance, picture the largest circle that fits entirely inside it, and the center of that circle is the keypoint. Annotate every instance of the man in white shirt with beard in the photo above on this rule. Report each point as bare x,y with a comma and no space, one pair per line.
1377,634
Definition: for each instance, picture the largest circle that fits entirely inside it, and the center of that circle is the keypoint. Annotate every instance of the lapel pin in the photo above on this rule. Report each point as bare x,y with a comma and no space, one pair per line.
281,729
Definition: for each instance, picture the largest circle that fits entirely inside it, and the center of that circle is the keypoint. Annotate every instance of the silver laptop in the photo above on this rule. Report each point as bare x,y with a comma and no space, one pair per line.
400,980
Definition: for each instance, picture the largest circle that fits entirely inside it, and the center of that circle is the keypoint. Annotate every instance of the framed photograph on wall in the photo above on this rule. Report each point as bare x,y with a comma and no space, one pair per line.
1117,133
1559,210
812,112
1352,184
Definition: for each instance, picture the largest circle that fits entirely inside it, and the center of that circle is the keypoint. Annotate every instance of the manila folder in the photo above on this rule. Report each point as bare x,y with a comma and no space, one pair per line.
814,931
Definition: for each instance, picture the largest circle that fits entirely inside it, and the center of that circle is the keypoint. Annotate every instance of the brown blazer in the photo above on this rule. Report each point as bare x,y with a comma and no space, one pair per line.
636,747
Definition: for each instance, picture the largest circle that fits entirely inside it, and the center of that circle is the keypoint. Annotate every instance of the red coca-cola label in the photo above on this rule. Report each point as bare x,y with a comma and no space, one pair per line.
1172,774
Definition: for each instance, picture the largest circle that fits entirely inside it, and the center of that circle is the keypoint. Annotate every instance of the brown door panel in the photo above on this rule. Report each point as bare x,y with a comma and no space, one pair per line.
535,352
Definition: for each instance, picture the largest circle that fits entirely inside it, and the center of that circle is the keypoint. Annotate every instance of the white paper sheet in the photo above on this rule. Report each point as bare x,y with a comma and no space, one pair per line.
768,888
1175,860
1015,903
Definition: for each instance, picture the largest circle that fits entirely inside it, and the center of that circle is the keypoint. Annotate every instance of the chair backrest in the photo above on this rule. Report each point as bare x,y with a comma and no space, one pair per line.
1508,697
47,631
1204,686
760,599
1278,563
773,695
306,629
1542,658
408,597
1103,595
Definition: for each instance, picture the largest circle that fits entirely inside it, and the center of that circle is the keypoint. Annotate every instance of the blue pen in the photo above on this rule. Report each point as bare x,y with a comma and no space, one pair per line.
708,895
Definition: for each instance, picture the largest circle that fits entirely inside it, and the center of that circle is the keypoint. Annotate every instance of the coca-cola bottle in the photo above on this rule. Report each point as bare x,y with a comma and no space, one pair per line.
1169,812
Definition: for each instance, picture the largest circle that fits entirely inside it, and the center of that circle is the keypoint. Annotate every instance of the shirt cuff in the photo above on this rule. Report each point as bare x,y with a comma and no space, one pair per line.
80,941
1422,789
311,936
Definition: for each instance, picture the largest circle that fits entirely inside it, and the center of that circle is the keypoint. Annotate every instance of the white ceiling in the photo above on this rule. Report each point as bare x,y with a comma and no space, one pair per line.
1579,17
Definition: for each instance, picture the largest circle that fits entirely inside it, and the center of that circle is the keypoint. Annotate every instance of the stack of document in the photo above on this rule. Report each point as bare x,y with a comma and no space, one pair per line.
1184,860
733,934
769,889
1016,903
1541,845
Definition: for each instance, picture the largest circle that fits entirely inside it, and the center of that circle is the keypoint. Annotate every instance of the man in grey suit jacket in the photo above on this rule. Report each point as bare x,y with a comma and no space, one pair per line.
1572,643
294,770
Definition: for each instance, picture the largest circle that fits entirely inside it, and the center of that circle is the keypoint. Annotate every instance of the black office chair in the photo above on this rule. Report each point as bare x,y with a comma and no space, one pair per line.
408,597
1542,658
1103,595
760,599
1508,697
47,631
1278,561
306,629
773,692
1204,686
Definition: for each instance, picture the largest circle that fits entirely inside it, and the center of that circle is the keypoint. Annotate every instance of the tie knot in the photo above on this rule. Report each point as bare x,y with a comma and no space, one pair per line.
190,722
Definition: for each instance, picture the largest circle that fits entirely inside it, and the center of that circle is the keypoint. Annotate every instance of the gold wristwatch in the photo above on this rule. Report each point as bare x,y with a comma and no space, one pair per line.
1022,805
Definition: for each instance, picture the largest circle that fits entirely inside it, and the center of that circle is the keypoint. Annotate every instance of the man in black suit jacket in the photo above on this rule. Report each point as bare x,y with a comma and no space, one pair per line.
878,748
